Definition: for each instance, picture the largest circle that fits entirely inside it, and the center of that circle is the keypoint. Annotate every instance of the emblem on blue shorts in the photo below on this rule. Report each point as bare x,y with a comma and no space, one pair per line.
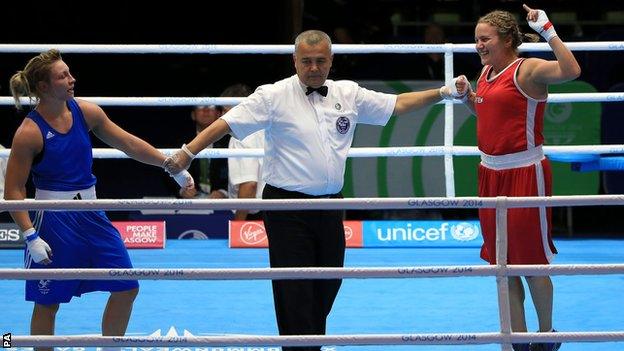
342,125
44,286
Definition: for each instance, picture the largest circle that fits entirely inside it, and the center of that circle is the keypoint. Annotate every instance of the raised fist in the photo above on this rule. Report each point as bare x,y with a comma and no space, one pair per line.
540,23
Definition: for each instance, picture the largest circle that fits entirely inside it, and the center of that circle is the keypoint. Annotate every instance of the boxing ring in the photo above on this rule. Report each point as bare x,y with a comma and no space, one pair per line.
413,307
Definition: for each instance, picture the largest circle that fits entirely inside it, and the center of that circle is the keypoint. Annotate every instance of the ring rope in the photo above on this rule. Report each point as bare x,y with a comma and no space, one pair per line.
144,101
312,204
394,151
313,340
229,101
289,49
501,203
448,49
307,272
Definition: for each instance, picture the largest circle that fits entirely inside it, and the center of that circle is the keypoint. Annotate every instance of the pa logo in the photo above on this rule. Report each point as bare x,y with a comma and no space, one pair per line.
6,341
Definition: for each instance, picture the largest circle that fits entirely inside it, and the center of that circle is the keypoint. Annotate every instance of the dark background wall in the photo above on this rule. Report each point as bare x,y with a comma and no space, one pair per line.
242,22
147,75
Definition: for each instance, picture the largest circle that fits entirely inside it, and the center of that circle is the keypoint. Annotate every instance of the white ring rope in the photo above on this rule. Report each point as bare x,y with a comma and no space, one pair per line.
394,151
313,204
288,49
501,204
312,340
229,101
144,101
307,272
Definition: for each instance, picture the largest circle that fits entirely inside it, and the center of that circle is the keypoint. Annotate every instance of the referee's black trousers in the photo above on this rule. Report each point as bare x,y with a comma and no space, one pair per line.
303,239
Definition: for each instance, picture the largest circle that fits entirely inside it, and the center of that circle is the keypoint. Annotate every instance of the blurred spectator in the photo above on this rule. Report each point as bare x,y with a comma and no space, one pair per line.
433,64
245,173
604,69
211,175
350,22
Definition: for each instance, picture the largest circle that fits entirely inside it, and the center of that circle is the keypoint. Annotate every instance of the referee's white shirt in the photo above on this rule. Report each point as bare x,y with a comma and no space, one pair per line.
246,169
307,137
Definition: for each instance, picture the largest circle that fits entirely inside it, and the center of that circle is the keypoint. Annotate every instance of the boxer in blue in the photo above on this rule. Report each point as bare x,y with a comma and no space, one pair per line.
53,144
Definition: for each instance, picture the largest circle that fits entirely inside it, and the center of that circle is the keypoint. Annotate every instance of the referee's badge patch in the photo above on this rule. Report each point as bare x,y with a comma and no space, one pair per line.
343,124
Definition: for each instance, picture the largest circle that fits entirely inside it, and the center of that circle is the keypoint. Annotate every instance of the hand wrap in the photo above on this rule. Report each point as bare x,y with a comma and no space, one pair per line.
449,92
543,26
184,179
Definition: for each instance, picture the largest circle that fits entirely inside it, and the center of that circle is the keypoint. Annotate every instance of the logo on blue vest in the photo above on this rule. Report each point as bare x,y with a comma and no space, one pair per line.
343,124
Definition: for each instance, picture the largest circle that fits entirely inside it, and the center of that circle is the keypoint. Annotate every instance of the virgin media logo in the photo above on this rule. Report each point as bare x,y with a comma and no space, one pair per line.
252,233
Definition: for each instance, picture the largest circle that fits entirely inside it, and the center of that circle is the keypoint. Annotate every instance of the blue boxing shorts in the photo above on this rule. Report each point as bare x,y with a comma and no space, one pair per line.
78,239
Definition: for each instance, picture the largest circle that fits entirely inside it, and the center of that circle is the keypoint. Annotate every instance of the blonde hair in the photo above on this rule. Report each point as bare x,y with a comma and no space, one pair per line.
506,25
24,82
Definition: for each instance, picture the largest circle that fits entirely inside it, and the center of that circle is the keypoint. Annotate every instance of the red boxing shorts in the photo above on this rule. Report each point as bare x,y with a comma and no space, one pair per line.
528,229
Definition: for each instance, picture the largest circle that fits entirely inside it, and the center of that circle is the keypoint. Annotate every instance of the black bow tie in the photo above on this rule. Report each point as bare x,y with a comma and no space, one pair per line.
321,90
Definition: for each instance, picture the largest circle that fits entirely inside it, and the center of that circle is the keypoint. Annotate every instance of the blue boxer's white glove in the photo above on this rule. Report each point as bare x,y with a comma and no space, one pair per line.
540,23
38,249
460,88
184,179
179,161
177,164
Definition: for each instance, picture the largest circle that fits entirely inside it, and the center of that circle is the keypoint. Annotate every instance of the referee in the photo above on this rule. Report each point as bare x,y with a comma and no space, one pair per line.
309,124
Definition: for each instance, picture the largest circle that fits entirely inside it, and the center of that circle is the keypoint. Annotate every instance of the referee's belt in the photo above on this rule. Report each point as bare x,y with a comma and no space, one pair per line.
290,194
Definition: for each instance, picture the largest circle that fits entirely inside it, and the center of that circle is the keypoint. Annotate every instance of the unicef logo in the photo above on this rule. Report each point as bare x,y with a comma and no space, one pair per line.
464,231
343,124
